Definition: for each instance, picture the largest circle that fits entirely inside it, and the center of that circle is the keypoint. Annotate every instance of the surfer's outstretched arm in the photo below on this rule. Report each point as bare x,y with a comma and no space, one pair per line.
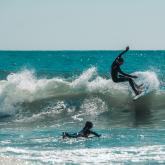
119,56
94,133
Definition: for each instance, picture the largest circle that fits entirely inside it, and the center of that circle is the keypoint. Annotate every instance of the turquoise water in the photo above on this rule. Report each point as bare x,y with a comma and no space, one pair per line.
43,93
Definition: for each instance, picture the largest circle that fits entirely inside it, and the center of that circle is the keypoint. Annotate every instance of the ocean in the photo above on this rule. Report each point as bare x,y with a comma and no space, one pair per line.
44,93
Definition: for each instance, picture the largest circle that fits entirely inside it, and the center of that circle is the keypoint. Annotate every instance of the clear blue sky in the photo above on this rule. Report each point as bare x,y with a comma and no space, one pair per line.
82,24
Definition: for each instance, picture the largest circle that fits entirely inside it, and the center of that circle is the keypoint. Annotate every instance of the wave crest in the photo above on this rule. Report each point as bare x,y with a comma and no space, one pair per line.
24,87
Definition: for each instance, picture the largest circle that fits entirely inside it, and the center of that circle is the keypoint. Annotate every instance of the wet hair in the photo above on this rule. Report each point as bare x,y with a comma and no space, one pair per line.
89,124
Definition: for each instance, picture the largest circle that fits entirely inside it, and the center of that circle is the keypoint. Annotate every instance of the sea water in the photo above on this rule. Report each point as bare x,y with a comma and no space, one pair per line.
43,93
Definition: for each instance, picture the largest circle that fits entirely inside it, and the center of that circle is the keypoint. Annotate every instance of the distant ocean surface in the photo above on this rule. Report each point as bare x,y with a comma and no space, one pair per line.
43,93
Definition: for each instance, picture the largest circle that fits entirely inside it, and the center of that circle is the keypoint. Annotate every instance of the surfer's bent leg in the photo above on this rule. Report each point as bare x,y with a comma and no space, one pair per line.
131,82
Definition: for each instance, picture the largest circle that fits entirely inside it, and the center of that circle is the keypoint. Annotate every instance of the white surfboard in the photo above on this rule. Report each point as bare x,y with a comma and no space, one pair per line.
144,92
140,95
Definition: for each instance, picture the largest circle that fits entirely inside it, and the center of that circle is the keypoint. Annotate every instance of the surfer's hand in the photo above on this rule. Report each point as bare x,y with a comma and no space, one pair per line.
127,48
134,76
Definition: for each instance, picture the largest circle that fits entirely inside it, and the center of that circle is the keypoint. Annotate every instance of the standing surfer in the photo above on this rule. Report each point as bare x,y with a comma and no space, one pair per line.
119,76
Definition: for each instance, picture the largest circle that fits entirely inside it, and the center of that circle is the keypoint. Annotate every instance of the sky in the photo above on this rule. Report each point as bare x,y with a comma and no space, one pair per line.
82,24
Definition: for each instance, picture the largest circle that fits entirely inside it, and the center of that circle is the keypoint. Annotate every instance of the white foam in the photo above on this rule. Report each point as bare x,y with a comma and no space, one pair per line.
145,154
25,87
13,161
148,78
83,80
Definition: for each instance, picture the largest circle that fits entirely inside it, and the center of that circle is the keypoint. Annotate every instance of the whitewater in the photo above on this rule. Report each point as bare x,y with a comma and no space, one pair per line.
43,93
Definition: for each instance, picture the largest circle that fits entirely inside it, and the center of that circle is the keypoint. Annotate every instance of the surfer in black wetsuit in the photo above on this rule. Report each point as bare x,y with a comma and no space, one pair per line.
122,77
85,132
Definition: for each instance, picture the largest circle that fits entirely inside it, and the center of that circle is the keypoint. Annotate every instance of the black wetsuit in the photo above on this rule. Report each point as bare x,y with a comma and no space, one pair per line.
122,77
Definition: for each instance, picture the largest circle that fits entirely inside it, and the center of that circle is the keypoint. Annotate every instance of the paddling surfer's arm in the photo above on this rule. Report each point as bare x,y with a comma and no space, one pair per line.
94,133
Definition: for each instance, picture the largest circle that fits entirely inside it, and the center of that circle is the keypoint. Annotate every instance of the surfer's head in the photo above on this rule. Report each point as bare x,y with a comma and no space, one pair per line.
120,61
88,124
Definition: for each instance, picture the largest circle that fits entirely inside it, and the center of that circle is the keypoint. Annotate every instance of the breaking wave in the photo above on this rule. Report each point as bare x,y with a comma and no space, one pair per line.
26,97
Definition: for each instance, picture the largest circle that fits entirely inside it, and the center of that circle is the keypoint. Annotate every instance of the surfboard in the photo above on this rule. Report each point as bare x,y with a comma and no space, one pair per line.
140,95
145,92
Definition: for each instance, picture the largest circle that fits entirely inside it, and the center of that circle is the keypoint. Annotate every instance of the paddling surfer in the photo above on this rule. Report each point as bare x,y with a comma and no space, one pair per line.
85,132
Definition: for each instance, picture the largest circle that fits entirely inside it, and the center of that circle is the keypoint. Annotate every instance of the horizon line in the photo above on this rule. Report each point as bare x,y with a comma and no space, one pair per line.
80,49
